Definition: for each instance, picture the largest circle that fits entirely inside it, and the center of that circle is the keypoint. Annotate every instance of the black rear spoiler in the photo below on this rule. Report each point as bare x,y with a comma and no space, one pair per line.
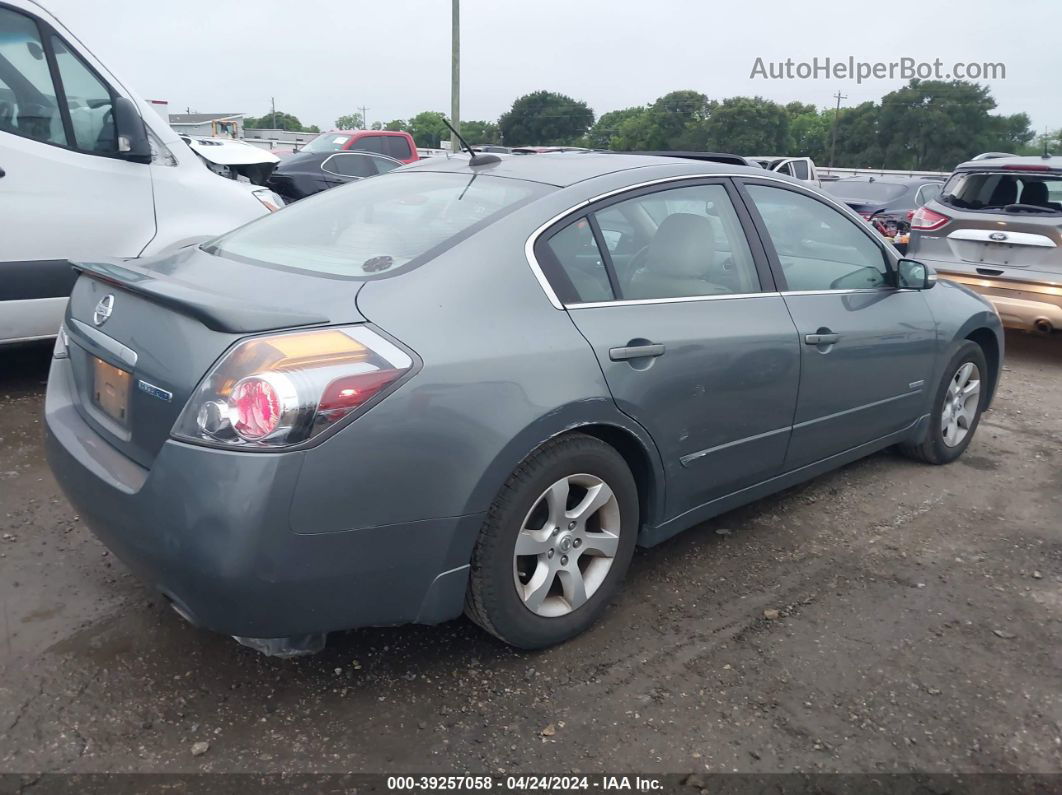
216,311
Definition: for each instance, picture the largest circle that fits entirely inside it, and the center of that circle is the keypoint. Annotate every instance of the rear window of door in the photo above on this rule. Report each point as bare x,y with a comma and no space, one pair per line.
398,147
682,242
819,248
371,143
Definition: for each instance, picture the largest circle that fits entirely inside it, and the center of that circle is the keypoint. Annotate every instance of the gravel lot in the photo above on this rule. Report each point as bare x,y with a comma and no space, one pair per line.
915,623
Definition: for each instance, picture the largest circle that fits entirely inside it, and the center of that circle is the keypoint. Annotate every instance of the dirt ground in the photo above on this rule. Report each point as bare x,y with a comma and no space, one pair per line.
918,627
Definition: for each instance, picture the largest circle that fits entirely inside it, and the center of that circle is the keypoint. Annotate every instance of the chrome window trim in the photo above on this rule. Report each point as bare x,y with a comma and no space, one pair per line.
368,154
676,300
792,182
847,291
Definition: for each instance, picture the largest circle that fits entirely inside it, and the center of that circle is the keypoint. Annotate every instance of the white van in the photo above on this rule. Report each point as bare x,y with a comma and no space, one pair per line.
88,169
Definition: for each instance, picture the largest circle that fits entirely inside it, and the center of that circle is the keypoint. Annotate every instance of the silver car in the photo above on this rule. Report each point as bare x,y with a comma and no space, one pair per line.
476,385
997,227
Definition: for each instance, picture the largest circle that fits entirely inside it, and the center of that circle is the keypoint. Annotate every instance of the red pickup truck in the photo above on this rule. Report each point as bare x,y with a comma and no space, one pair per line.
399,145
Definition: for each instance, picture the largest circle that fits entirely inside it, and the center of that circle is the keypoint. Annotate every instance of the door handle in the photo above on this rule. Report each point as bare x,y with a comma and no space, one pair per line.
635,352
821,339
3,173
990,271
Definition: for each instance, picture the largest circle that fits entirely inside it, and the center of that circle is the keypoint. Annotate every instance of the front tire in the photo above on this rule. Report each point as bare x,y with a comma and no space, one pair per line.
555,545
957,408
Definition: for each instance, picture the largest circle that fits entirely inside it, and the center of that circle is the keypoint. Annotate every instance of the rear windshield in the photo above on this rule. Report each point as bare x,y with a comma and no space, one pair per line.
864,191
379,225
327,142
1014,192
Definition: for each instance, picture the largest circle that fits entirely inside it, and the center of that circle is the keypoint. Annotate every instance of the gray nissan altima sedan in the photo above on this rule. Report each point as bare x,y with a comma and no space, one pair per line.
475,387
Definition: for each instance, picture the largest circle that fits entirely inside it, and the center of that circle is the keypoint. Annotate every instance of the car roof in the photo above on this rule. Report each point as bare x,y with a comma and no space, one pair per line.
993,163
567,168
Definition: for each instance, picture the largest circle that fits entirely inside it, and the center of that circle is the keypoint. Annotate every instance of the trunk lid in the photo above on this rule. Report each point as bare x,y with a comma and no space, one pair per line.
168,320
1007,241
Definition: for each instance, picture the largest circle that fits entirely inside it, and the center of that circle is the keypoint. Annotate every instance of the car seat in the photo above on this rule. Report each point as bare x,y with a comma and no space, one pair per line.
680,261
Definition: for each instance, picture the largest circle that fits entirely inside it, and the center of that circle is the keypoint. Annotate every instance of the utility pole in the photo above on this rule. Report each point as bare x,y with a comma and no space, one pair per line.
364,118
833,142
273,102
455,75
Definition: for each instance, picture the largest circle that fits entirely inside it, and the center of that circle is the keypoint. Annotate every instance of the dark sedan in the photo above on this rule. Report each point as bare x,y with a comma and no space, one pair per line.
888,203
307,173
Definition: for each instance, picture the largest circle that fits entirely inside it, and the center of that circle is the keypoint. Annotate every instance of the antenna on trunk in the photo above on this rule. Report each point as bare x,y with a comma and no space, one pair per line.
478,158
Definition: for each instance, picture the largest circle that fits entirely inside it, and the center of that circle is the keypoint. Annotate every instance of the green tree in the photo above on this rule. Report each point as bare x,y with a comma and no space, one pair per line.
1012,133
679,120
674,121
352,121
545,118
809,131
858,144
283,121
934,124
396,125
748,126
480,132
428,128
606,129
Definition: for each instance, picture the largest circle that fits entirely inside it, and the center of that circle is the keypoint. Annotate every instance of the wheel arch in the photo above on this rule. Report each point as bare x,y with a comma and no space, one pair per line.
991,344
598,418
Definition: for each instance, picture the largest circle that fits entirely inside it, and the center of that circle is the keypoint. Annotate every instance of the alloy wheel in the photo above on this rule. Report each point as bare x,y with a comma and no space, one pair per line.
566,545
961,402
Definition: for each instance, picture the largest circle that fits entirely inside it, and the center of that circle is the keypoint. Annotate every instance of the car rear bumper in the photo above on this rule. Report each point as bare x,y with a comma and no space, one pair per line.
210,529
1025,305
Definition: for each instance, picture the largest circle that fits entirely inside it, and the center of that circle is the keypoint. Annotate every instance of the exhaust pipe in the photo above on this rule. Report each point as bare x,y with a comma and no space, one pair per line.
1043,326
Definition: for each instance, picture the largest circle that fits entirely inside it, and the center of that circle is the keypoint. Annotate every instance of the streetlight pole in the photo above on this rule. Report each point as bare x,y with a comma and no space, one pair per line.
455,75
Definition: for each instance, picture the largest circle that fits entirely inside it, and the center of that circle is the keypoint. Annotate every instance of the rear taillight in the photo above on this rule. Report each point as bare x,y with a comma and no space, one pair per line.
1027,167
926,220
284,389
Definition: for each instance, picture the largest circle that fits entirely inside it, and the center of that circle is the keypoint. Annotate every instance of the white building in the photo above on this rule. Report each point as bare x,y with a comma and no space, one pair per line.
214,125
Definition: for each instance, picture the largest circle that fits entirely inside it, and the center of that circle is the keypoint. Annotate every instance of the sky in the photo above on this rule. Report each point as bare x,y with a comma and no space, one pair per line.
324,58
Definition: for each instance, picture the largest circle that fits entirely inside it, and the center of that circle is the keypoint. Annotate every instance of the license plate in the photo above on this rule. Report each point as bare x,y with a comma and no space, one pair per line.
110,390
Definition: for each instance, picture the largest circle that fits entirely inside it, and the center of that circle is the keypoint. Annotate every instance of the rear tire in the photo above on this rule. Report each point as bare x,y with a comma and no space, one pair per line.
572,500
957,407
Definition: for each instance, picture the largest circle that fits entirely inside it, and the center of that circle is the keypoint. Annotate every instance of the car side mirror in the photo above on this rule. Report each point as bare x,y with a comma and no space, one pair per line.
133,143
914,275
